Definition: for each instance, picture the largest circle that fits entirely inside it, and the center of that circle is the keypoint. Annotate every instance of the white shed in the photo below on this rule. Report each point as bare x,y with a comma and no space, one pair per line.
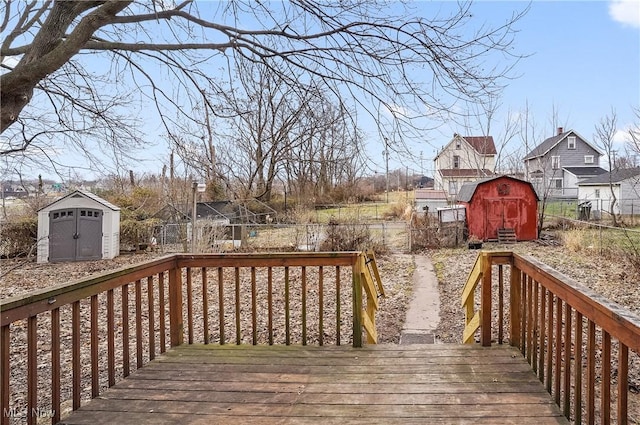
78,227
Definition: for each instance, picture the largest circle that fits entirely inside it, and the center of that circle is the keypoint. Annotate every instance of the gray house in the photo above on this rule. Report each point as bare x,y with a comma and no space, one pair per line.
559,163
599,192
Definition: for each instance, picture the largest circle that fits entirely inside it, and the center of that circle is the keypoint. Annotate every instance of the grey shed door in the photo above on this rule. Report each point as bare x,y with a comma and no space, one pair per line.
75,234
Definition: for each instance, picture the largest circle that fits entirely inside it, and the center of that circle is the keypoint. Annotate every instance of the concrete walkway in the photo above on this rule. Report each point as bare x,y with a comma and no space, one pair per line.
424,308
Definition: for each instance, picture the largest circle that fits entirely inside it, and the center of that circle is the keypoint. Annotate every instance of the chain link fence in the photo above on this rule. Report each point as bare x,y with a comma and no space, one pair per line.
392,236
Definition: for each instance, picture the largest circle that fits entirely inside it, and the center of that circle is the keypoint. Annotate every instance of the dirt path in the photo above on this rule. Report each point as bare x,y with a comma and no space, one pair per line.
423,312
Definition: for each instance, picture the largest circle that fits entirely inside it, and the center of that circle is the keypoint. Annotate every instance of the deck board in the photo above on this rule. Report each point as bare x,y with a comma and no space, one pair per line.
392,384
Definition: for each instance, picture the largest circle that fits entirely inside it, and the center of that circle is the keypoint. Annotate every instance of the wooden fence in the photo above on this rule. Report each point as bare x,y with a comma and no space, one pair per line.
576,341
66,344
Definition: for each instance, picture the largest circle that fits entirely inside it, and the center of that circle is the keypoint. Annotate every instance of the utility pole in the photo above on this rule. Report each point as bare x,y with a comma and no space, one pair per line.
386,152
194,188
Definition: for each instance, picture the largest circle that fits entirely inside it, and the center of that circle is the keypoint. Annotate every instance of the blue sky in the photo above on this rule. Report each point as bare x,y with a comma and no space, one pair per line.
583,59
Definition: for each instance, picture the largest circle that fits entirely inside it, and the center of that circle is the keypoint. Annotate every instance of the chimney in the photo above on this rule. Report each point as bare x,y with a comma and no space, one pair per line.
560,130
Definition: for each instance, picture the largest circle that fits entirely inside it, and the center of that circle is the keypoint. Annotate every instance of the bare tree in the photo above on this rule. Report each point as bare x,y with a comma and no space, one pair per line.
604,134
85,72
633,141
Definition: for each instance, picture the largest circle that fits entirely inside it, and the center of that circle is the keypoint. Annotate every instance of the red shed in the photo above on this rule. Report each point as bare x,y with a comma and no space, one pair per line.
500,202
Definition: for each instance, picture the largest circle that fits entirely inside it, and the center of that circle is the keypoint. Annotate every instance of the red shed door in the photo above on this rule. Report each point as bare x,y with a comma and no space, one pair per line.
501,213
511,214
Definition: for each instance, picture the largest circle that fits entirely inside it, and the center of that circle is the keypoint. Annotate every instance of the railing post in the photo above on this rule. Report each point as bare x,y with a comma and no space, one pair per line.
515,299
357,301
485,301
176,323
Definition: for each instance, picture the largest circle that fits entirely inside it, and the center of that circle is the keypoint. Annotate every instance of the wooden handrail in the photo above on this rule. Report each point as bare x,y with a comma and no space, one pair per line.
367,277
151,297
555,321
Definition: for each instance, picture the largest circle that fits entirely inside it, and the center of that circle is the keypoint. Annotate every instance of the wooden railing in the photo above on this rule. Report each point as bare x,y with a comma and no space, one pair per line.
56,341
576,341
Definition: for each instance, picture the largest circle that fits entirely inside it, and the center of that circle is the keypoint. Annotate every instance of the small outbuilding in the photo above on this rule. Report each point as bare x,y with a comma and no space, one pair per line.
500,202
78,227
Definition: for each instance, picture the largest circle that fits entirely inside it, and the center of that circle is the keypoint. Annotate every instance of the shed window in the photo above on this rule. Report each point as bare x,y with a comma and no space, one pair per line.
588,159
83,213
571,142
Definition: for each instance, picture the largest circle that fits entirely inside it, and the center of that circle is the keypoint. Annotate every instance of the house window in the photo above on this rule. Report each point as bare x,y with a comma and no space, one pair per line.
588,159
571,142
597,193
458,144
456,161
556,183
453,188
555,162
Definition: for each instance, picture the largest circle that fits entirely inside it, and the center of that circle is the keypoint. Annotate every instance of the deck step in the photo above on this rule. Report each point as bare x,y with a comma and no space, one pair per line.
506,235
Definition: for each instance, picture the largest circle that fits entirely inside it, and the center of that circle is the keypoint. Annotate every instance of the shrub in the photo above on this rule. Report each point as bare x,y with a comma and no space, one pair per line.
135,232
18,237
350,236
398,210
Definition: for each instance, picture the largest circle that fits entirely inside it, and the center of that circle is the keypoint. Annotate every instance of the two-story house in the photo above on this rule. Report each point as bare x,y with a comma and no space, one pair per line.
559,163
464,159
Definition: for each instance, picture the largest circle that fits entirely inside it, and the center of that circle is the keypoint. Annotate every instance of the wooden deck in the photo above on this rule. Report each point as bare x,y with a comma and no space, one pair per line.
386,384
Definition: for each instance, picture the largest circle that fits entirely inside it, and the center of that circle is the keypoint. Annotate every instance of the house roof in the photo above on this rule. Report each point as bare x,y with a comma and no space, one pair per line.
217,210
430,194
551,142
468,189
171,212
465,172
84,194
615,176
585,171
484,145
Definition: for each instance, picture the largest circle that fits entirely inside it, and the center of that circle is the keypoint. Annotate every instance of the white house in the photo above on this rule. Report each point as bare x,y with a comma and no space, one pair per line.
464,159
624,184
77,227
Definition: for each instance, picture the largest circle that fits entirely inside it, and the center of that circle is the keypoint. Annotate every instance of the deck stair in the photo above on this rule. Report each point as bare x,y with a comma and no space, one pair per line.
506,235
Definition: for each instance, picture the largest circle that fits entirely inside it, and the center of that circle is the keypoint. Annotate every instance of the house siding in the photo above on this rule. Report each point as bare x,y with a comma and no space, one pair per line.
469,159
568,158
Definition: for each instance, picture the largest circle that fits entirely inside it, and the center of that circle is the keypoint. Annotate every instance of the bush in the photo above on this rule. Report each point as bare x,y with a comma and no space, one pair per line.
350,236
398,210
18,237
134,232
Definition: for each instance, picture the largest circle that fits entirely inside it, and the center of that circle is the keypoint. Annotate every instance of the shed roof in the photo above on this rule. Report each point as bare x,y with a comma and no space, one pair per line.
468,189
83,193
430,194
615,176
